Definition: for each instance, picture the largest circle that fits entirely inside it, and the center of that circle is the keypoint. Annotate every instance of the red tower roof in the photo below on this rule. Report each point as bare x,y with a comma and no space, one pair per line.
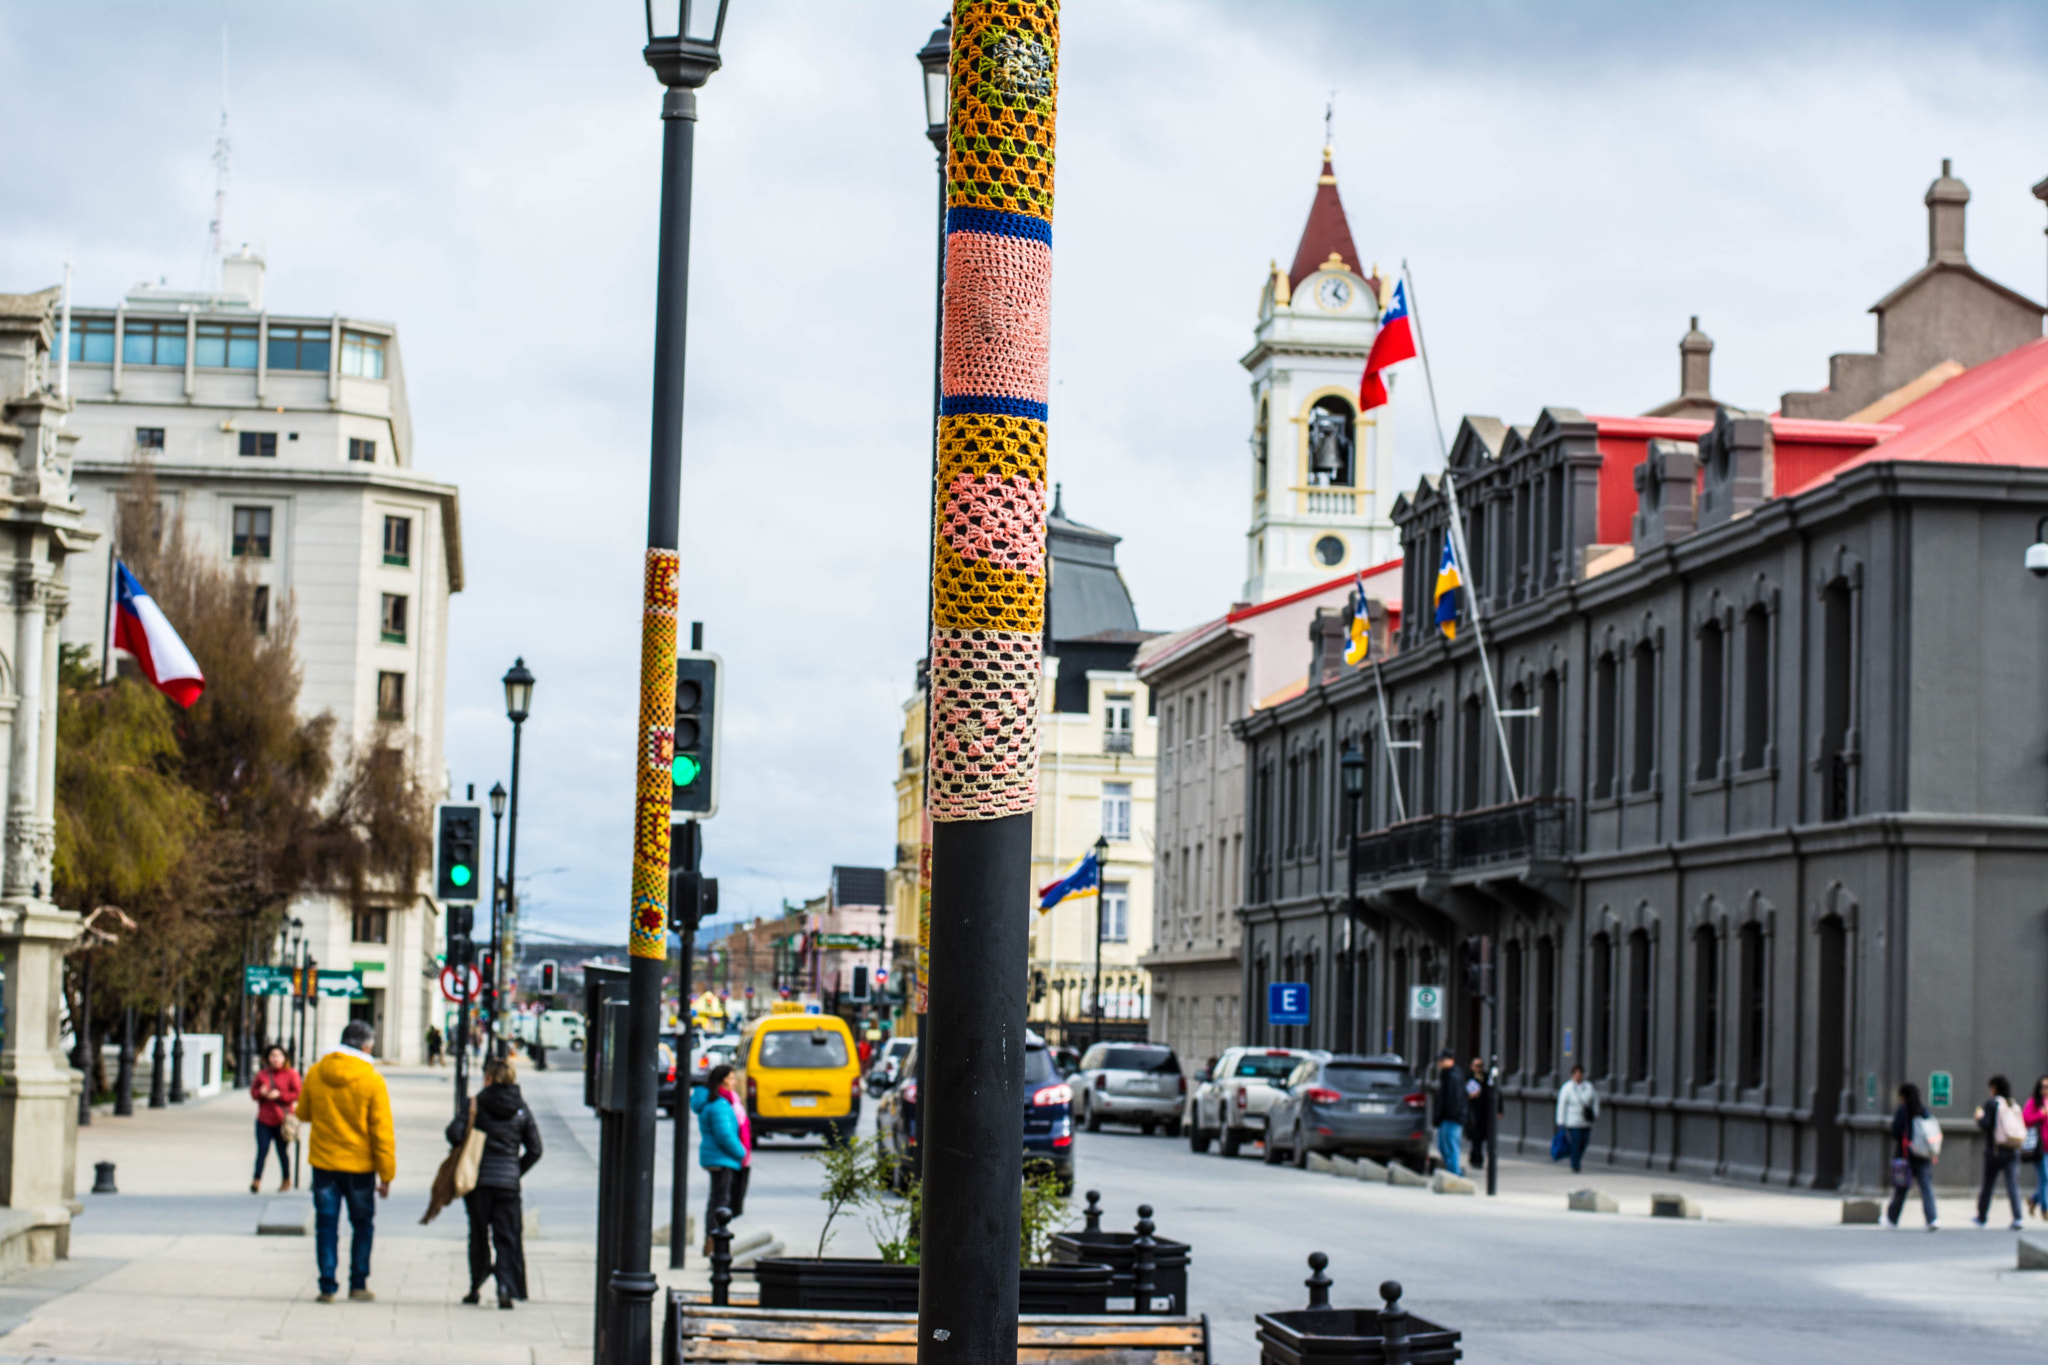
1326,232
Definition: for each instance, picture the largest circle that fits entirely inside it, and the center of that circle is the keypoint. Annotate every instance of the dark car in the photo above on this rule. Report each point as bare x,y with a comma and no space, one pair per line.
1048,1114
1353,1106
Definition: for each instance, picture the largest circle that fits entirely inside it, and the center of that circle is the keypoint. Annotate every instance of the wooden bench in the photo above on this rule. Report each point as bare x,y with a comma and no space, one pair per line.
696,1331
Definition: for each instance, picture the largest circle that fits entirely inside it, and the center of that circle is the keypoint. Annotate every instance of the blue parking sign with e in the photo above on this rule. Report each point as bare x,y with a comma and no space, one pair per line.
1287,1002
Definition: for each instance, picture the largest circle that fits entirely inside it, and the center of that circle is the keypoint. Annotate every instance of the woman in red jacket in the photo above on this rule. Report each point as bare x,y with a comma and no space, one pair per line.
276,1090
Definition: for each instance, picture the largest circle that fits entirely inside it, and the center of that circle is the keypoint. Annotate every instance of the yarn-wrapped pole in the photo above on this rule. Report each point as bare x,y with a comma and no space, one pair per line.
988,617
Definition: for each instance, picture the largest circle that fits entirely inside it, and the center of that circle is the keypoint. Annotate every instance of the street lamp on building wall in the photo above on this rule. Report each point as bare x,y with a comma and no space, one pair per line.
2037,553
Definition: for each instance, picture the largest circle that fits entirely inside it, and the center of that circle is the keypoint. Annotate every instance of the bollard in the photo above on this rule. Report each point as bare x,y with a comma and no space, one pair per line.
1393,1325
1318,1283
721,1256
1142,1247
103,1178
1093,1213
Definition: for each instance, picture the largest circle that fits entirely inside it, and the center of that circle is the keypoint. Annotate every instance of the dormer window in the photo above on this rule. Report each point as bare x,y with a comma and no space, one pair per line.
1330,443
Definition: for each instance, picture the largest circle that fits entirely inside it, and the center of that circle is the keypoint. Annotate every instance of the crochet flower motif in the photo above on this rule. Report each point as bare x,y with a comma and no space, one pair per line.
996,520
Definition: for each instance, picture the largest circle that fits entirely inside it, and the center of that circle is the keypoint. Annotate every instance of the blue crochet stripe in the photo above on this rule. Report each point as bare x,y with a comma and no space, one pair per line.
990,405
996,223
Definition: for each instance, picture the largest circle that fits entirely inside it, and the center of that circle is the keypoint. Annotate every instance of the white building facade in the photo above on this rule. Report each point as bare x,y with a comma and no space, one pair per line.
284,443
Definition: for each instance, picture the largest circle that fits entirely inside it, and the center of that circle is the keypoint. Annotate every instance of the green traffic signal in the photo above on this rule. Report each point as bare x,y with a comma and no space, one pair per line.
459,875
685,770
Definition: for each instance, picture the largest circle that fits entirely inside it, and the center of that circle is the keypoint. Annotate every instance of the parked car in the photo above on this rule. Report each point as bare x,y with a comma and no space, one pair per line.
1229,1104
720,1050
1138,1083
1048,1114
665,1068
886,1067
1354,1106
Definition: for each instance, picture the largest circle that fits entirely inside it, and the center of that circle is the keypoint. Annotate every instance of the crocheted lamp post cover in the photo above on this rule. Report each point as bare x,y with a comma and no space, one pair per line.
988,573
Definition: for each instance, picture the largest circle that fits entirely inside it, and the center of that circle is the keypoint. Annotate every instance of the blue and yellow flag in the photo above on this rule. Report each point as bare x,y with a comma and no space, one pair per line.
1360,628
1083,877
1447,585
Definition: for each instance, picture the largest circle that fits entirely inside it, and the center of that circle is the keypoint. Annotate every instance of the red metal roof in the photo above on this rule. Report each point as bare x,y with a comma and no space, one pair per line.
1327,231
1261,608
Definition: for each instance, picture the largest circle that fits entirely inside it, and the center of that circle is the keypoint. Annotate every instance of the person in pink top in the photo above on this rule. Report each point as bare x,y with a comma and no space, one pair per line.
275,1090
2035,1153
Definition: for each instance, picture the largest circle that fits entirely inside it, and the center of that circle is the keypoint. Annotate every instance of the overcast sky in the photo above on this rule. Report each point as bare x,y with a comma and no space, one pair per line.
1568,183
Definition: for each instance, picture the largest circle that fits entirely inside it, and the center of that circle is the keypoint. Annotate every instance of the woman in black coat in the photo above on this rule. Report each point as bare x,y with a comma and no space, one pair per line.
511,1146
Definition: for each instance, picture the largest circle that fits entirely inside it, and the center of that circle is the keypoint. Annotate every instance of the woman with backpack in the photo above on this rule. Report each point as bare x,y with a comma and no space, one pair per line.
1916,1145
724,1144
2035,1149
2005,1132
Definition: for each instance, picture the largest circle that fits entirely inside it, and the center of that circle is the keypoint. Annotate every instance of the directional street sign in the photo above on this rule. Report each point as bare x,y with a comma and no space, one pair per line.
258,980
451,985
866,941
1426,1003
1287,1002
348,984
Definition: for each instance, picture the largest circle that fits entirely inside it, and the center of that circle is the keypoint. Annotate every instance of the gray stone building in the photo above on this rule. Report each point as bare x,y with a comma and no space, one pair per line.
1770,835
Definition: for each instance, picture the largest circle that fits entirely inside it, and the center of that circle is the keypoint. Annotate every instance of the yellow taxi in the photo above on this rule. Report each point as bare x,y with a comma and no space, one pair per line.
800,1073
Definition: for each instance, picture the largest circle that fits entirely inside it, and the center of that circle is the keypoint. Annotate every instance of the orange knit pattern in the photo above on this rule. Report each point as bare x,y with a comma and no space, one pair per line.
1005,80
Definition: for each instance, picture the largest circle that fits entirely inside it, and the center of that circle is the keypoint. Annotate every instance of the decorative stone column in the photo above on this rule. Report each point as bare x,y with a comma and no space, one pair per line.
40,525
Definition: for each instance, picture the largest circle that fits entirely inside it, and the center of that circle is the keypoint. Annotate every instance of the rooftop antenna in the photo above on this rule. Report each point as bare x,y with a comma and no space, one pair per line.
1330,120
216,245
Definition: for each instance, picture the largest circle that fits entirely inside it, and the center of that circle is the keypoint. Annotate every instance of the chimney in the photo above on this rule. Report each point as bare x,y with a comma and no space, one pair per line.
1737,459
1695,359
1326,646
1945,200
1664,493
241,277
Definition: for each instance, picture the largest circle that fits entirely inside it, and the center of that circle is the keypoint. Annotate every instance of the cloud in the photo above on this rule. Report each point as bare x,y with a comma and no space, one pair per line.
1567,184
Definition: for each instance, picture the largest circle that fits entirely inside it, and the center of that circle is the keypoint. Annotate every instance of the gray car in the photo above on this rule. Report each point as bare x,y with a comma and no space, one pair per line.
1353,1106
1138,1083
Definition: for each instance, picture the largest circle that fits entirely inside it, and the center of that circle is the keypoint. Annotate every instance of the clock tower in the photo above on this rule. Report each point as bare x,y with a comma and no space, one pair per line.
1318,464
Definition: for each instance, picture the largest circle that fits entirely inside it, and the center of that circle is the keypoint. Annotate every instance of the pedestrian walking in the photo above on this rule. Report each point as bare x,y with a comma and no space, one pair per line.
352,1154
725,1144
1452,1106
433,1046
1578,1109
1478,1111
2005,1133
1916,1146
2035,1150
276,1091
497,1243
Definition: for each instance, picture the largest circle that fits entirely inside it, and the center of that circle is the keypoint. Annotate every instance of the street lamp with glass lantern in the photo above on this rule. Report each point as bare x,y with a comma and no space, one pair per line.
489,1015
1101,914
518,681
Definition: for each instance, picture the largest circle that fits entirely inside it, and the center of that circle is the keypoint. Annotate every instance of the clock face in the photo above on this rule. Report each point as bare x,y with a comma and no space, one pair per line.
1334,293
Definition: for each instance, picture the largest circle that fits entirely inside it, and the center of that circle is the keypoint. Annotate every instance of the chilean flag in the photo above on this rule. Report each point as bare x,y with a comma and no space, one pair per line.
1394,344
140,628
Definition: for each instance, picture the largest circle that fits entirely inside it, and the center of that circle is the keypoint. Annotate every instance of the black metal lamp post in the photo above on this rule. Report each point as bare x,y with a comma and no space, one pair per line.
683,60
1101,912
497,797
518,702
1351,776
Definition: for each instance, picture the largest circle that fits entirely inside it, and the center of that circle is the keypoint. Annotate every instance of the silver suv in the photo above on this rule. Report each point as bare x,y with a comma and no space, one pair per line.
1137,1083
1231,1102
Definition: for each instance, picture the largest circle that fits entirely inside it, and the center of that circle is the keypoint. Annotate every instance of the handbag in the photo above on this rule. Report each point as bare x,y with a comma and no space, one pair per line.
288,1127
1926,1139
1560,1145
471,1156
1902,1173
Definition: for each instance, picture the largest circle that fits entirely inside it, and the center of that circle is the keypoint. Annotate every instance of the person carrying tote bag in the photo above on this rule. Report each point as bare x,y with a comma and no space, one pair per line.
457,1174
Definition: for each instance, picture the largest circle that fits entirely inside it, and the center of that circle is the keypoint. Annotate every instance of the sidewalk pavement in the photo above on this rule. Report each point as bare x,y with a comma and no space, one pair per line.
171,1270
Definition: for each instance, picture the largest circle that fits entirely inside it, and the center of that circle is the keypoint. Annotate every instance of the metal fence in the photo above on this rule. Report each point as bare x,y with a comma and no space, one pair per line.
1535,830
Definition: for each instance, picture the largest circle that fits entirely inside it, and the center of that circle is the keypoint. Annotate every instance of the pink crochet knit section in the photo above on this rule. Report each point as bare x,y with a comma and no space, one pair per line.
998,521
984,743
998,316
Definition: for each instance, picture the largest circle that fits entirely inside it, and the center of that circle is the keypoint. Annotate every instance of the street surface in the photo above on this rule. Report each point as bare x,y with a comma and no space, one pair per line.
170,1270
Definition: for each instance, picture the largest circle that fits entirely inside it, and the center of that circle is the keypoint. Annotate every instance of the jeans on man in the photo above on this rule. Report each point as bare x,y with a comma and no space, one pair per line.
330,1188
1578,1138
1450,1145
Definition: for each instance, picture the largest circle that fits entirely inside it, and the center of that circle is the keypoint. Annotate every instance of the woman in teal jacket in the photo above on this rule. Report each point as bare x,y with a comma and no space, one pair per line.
722,1144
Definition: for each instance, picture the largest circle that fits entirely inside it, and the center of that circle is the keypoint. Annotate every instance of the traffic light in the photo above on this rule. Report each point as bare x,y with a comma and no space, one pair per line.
859,994
692,899
460,835
461,923
549,974
695,766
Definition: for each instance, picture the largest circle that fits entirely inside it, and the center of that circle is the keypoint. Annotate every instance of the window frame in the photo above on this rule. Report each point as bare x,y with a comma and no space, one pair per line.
356,344
400,558
298,340
390,681
1116,798
98,329
1114,905
393,623
237,341
241,538
362,450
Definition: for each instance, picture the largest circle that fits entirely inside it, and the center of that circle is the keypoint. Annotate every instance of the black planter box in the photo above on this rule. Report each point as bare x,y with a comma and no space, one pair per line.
1114,1249
1348,1336
842,1284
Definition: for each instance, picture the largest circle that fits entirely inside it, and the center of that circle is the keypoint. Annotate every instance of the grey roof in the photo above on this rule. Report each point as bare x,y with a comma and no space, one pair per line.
1088,593
859,886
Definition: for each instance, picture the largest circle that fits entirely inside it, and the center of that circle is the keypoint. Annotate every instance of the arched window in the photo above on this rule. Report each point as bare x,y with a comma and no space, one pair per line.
1550,769
1639,1005
1606,705
1260,445
1471,725
1518,739
1645,756
1706,1005
1332,442
1511,1007
1756,685
1750,975
1546,1005
1837,701
1710,702
1600,1042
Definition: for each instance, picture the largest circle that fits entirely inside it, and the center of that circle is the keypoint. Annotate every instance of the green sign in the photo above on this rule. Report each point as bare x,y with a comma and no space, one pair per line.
867,941
346,984
267,980
1940,1089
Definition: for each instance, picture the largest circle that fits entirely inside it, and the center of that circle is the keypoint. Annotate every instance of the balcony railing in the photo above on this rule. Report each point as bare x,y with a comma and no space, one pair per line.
1535,830
1116,741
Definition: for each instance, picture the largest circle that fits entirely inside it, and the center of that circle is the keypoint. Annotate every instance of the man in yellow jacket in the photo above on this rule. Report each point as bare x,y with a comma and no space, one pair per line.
349,1110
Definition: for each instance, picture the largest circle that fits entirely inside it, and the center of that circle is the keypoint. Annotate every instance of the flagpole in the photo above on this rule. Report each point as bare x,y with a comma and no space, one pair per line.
1457,533
107,618
1389,743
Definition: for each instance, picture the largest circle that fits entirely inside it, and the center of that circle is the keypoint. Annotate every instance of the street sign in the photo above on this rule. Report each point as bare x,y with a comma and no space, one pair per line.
451,986
1426,1003
866,941
1940,1089
267,980
1287,1002
344,984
